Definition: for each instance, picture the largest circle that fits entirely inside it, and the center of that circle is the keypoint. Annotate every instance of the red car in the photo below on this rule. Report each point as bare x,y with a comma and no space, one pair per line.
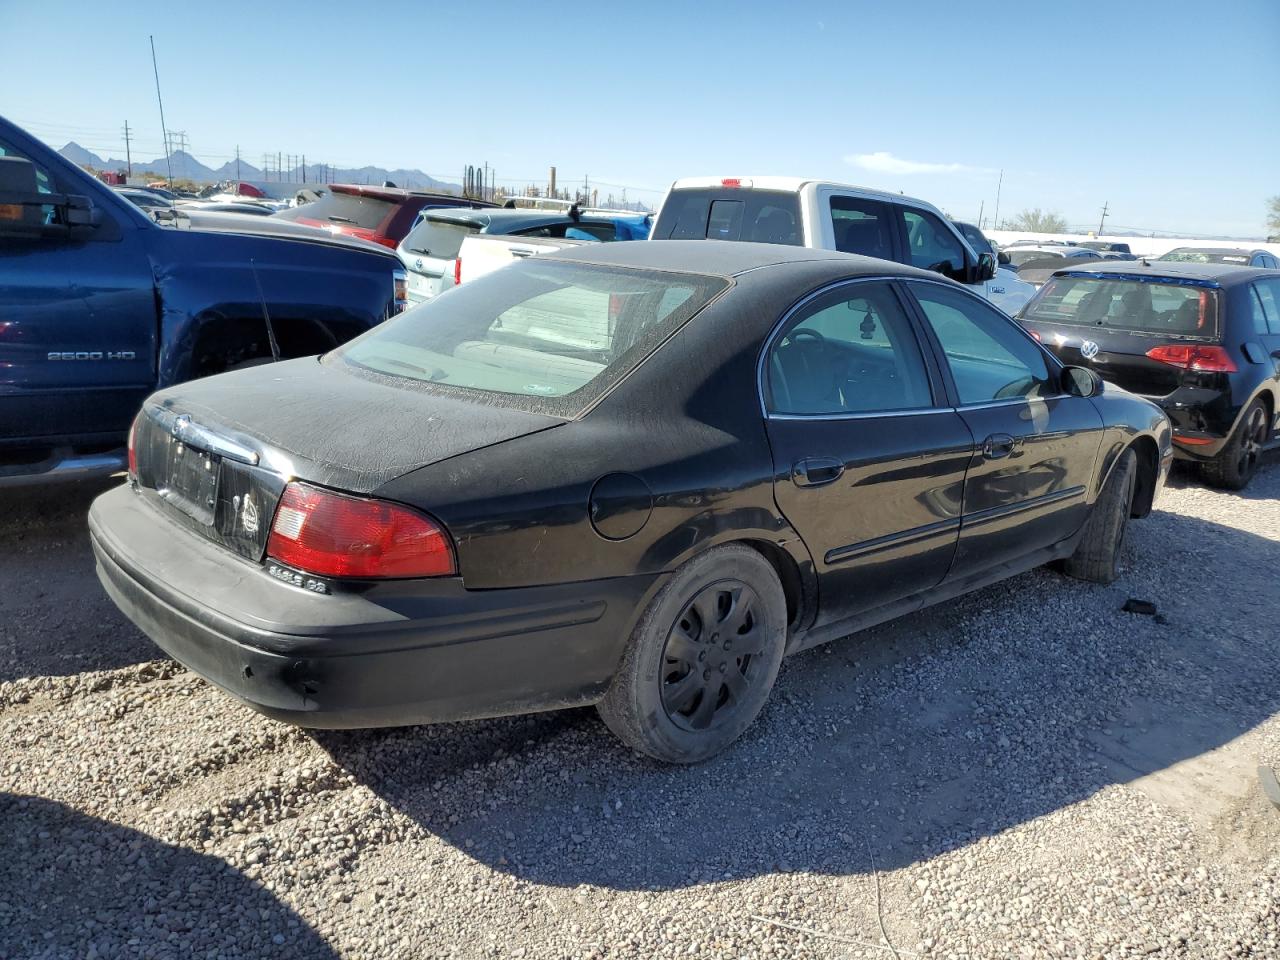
381,214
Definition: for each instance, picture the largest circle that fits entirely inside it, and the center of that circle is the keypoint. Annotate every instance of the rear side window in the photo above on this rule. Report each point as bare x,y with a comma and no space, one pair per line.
761,216
1269,296
346,209
862,226
848,354
438,238
539,335
1138,306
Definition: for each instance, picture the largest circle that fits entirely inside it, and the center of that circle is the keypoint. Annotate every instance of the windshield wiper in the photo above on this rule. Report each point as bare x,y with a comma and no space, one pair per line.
433,375
337,219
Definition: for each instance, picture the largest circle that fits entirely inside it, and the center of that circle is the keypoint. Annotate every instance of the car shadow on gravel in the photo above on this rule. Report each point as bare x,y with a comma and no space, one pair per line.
55,618
72,885
886,748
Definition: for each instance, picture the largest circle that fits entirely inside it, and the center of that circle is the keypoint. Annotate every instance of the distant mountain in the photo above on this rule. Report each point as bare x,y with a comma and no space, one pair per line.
184,165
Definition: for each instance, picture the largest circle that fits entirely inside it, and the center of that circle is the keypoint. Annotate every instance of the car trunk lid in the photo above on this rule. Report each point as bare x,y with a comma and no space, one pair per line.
215,454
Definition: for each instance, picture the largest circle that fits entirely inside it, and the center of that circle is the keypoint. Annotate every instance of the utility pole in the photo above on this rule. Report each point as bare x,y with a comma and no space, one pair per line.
266,167
304,168
237,161
128,157
995,220
982,206
1105,205
180,138
551,185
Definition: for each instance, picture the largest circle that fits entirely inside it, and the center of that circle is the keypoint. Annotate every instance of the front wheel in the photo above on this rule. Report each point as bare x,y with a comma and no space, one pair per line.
703,658
1097,555
1234,467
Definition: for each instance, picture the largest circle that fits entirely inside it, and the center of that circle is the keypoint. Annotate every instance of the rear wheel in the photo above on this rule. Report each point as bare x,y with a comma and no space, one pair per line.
1234,467
1097,555
702,659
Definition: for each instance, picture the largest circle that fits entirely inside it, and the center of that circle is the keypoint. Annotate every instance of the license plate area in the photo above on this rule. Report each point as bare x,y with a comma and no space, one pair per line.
190,482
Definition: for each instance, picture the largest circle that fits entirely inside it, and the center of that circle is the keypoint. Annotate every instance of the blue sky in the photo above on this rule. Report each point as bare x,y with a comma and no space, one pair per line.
1170,112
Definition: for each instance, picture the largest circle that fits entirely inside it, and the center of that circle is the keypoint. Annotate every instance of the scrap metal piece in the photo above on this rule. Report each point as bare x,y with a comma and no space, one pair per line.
1144,607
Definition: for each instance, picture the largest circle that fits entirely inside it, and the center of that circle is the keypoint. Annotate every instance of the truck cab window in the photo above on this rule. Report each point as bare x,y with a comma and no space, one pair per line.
930,244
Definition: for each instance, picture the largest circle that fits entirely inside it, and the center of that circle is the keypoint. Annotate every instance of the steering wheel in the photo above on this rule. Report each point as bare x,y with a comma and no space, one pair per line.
805,332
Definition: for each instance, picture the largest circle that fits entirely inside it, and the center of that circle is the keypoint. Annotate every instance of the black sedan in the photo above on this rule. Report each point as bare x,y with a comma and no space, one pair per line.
634,475
1200,339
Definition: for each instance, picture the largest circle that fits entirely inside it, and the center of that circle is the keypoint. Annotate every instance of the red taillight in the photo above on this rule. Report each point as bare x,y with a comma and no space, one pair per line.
1192,441
457,271
1204,359
334,535
731,182
133,452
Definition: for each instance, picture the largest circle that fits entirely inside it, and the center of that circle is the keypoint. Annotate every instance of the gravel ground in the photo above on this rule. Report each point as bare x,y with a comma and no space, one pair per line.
1028,772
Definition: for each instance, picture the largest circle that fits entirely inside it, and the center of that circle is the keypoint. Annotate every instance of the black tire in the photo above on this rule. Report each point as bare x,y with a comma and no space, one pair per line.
703,658
1234,467
1097,554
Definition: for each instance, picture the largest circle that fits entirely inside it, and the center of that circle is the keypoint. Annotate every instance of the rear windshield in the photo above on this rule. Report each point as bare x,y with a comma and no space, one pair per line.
346,209
1020,257
438,238
547,336
763,216
1206,256
1140,306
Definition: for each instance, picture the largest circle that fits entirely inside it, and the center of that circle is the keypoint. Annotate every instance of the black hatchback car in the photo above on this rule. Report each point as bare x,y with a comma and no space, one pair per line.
1201,340
633,474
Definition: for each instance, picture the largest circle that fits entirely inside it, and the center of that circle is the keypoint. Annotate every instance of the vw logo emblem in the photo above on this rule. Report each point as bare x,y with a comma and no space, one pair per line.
418,263
1088,349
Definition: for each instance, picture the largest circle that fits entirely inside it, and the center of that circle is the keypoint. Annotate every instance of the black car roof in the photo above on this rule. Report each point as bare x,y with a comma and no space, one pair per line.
1224,274
728,258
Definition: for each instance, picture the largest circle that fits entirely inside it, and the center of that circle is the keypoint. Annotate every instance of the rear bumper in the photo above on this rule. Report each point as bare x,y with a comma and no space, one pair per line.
396,653
1202,425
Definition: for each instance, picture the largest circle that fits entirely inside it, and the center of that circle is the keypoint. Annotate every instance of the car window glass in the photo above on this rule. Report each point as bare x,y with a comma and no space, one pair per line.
989,357
540,335
1269,294
929,243
861,226
1257,315
763,216
853,352
44,184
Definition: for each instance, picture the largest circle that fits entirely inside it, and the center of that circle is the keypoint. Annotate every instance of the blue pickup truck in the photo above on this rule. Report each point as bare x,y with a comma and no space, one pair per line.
100,305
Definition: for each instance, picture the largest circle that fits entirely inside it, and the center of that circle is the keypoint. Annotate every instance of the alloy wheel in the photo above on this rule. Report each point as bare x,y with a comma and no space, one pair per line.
1251,442
707,663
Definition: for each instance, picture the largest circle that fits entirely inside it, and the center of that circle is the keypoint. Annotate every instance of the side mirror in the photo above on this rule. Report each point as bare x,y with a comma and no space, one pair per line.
986,268
1081,382
1003,259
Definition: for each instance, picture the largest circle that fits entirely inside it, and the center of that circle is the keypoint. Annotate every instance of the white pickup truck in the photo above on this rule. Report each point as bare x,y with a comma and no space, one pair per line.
834,216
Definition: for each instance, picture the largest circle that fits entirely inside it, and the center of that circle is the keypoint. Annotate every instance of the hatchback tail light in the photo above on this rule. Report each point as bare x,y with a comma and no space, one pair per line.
335,535
1198,357
457,271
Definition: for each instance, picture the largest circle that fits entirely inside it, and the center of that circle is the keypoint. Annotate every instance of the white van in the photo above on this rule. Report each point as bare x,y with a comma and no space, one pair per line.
833,216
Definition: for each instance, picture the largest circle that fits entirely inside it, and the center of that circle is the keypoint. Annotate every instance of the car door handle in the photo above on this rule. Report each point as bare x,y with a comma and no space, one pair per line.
1000,445
816,471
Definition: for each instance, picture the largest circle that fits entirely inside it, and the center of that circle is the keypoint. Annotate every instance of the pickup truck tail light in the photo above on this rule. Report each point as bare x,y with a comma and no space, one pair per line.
1197,357
400,288
457,271
336,535
133,449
